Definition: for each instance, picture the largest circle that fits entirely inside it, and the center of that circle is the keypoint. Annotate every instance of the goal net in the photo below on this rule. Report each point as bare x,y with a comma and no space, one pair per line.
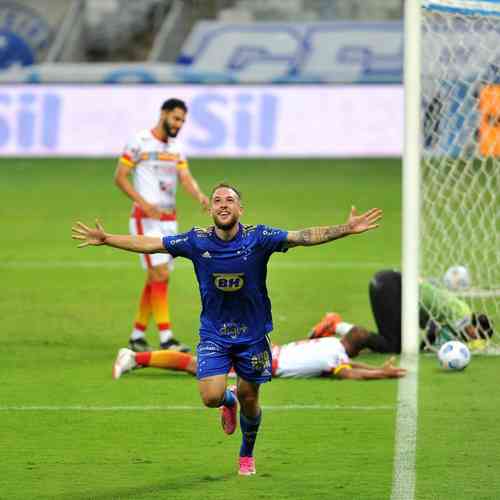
460,176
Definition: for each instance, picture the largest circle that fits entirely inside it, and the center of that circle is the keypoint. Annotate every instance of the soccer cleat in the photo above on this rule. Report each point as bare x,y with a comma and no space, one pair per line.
125,361
247,466
326,327
139,345
228,415
174,345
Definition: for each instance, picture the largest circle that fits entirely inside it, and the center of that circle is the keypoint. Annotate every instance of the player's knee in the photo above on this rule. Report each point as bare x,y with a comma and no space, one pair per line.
211,402
212,399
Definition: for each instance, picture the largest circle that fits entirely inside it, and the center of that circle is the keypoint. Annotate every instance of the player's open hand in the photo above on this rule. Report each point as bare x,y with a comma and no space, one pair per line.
392,371
151,211
364,222
87,235
389,362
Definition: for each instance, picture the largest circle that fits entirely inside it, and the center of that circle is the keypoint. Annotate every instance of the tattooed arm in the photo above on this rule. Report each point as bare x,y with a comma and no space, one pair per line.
317,235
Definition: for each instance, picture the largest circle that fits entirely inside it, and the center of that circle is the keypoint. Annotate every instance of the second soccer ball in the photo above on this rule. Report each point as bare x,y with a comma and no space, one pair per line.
457,278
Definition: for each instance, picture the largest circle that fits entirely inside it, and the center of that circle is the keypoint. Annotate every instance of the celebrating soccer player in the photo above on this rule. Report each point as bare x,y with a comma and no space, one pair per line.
230,262
156,162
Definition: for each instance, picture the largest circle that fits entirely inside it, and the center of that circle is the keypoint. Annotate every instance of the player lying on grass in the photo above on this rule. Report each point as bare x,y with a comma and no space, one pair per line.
322,357
443,316
230,261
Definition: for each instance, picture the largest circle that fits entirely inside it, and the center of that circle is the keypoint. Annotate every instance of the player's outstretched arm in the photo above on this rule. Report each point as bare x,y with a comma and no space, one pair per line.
388,363
355,224
388,370
361,374
98,236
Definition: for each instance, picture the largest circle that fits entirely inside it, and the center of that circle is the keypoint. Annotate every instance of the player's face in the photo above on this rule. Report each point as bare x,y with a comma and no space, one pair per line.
173,121
225,208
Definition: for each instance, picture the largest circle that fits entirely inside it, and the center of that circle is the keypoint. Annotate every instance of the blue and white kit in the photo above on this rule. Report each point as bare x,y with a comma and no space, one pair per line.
236,310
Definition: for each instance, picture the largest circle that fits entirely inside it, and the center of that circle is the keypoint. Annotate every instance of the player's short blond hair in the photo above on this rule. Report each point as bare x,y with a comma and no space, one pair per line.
227,186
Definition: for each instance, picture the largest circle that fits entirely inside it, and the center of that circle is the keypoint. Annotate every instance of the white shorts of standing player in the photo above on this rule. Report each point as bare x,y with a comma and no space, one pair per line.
157,228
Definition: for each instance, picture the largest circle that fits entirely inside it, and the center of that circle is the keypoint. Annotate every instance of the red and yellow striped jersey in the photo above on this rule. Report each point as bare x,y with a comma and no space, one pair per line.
155,165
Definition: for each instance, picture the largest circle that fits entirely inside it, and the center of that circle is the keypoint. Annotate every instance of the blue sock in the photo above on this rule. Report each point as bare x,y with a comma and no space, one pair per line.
249,428
229,399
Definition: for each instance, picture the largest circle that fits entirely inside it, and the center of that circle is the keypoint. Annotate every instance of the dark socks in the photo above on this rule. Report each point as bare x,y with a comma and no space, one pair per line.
249,428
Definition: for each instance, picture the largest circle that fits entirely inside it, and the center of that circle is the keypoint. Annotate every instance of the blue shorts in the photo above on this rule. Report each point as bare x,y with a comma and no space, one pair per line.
251,362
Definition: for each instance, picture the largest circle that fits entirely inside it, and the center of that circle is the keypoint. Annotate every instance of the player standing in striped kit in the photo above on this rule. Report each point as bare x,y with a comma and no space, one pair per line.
155,162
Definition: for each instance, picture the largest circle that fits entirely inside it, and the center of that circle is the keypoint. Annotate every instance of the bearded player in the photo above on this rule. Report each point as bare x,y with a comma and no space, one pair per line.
155,163
230,261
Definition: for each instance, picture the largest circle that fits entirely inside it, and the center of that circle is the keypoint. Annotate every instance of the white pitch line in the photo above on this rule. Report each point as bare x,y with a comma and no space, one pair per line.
196,408
119,264
403,477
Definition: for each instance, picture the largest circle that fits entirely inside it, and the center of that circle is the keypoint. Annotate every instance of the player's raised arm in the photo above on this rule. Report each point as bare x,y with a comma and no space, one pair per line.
355,224
98,236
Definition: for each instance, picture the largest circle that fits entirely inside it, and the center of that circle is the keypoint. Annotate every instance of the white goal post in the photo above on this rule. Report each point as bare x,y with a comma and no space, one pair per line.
451,163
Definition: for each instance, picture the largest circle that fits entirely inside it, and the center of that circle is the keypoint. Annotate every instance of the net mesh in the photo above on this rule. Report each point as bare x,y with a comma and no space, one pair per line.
460,212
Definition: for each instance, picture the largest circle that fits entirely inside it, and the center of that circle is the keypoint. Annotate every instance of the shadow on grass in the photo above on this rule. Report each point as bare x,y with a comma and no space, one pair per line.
158,374
158,490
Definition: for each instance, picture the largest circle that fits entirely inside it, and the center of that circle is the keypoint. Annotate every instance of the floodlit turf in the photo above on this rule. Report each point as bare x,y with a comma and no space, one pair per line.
458,427
68,431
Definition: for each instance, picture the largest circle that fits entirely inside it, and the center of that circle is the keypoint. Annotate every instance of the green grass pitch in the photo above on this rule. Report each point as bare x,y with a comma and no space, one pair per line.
68,431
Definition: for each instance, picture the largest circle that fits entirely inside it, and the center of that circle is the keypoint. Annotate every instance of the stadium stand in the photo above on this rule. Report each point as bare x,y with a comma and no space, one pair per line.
27,30
311,10
122,31
218,41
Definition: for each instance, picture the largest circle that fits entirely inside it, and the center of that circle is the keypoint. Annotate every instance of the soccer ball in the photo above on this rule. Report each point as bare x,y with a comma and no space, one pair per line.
454,355
457,278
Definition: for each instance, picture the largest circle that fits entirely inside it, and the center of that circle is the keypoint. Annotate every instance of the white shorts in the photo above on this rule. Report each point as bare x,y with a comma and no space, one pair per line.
153,227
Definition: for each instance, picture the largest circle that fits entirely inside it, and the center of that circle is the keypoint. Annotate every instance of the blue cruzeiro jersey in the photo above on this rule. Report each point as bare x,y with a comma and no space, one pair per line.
232,279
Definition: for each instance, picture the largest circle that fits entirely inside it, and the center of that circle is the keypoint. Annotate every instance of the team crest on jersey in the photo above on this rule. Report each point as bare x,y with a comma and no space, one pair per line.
24,34
202,232
228,282
248,229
